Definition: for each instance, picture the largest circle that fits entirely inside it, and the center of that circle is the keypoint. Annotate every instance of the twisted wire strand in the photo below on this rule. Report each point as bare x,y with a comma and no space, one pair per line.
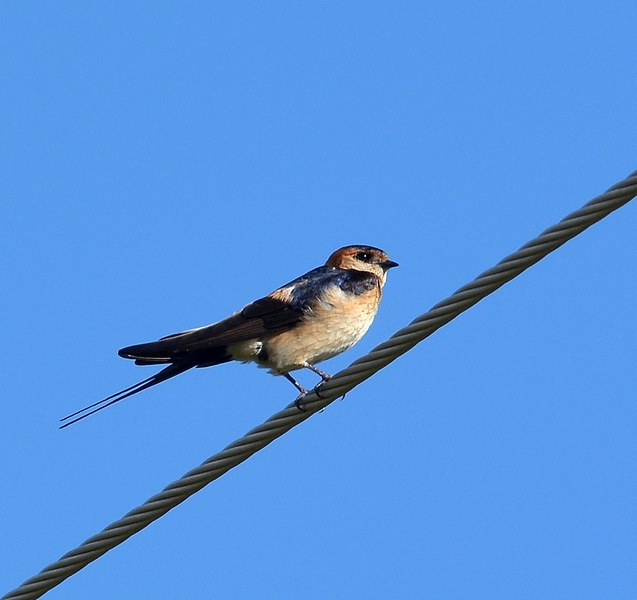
360,370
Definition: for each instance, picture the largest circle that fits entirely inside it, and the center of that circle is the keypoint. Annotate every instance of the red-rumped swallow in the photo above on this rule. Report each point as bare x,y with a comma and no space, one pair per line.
313,318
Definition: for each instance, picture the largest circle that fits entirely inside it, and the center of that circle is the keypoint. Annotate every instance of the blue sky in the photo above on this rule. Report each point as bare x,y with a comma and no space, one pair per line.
162,165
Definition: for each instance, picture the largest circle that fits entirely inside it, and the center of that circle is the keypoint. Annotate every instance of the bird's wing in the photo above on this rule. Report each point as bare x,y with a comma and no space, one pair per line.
205,346
265,316
280,311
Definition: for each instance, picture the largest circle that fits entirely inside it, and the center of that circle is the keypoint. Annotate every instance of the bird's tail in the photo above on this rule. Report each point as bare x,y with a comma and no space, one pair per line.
167,373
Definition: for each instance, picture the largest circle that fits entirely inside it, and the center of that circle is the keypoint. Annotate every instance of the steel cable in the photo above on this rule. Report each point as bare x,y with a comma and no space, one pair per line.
360,370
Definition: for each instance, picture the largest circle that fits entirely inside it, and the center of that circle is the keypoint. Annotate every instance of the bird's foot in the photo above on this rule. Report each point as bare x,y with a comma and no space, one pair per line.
317,389
299,401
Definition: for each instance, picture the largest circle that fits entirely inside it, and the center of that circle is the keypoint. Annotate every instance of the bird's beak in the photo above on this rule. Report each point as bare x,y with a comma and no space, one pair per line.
388,264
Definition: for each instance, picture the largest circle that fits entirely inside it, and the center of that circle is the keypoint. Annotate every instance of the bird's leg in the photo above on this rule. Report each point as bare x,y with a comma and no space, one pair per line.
295,383
299,387
324,376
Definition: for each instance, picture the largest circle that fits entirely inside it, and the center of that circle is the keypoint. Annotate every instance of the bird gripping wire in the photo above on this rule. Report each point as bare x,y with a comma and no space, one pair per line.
360,370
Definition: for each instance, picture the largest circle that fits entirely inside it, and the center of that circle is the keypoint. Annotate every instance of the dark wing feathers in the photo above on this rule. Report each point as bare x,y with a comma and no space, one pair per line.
201,347
267,315
206,345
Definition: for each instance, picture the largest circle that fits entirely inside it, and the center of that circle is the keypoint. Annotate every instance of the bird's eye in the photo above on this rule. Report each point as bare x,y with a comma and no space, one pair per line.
364,256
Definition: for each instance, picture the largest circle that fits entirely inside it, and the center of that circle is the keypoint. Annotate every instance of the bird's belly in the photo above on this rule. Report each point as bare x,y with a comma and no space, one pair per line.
328,331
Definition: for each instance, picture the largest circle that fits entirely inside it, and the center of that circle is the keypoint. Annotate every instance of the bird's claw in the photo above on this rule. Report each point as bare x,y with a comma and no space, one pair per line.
317,389
299,401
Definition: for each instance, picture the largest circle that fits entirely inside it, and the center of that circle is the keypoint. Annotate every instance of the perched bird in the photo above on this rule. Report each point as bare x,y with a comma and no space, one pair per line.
305,322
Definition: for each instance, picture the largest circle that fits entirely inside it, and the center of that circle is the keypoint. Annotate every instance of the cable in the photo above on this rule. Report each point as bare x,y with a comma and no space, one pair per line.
360,370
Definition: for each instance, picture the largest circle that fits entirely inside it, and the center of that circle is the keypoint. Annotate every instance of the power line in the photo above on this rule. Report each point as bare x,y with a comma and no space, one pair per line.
360,370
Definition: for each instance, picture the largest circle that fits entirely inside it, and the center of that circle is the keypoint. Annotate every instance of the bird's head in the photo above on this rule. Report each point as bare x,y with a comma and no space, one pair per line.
362,258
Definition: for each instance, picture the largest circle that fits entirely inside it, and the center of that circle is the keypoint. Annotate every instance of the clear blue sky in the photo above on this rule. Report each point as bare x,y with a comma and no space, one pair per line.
163,164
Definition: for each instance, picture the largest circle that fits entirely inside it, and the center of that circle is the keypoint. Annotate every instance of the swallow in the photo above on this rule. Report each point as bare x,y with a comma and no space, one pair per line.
311,319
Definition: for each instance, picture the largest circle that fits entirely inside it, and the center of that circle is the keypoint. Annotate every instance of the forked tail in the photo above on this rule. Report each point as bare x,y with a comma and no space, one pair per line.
87,411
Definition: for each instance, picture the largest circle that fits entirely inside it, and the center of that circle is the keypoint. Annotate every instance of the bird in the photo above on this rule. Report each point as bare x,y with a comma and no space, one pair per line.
307,321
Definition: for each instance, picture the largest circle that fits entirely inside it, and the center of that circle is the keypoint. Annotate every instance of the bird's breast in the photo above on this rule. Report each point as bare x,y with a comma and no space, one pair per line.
336,321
